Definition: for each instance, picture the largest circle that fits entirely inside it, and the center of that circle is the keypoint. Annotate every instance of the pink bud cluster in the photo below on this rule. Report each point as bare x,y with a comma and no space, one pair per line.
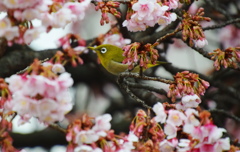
116,39
229,36
94,135
187,83
17,26
43,95
146,13
192,30
226,58
148,131
69,53
4,92
108,7
189,130
143,55
5,139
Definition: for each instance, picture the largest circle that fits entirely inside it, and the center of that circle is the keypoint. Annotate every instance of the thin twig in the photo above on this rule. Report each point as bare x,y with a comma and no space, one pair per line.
136,98
122,84
137,76
222,111
201,51
57,127
222,25
24,70
147,87
168,35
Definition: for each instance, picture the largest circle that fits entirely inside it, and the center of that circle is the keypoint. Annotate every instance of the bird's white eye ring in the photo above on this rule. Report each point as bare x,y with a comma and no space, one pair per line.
103,50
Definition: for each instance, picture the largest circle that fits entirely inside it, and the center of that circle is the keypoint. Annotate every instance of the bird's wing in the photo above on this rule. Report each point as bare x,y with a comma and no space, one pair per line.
116,67
118,57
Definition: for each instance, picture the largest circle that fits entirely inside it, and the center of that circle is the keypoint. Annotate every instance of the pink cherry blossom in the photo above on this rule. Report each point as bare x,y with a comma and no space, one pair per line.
116,39
134,26
58,68
87,137
30,14
167,18
62,17
86,148
37,96
102,123
132,137
47,110
65,81
173,4
32,34
20,103
34,85
52,88
214,133
170,130
166,146
78,8
191,115
229,36
160,113
2,7
15,82
183,145
222,145
144,7
148,13
20,4
6,30
175,117
191,121
189,101
127,144
199,133
200,43
11,33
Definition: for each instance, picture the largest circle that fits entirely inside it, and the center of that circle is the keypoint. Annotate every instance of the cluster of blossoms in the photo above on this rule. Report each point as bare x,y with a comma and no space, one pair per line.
116,39
226,58
90,135
187,83
146,13
192,30
17,26
42,94
113,37
229,36
136,52
182,130
5,138
70,53
189,130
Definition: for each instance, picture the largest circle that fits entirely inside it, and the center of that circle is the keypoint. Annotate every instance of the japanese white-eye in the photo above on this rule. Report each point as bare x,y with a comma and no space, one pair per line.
111,58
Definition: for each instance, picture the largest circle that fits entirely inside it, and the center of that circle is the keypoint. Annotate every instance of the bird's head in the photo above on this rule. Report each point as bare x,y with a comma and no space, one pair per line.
107,52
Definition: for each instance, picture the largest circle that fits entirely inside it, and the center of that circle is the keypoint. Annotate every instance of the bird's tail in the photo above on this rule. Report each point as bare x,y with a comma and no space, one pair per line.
158,63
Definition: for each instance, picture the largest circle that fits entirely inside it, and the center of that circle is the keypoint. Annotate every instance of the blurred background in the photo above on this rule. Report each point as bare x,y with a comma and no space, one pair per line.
95,91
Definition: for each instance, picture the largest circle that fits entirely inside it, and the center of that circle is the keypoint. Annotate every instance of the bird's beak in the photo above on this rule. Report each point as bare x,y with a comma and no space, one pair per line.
91,48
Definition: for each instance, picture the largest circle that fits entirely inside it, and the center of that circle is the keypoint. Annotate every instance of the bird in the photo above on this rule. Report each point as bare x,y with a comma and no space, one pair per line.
111,58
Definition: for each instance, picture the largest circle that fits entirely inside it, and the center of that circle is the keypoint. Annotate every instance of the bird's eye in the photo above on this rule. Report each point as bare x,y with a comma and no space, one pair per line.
103,50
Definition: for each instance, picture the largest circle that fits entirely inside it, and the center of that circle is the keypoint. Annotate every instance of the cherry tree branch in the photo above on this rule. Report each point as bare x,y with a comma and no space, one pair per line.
18,58
224,112
232,21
